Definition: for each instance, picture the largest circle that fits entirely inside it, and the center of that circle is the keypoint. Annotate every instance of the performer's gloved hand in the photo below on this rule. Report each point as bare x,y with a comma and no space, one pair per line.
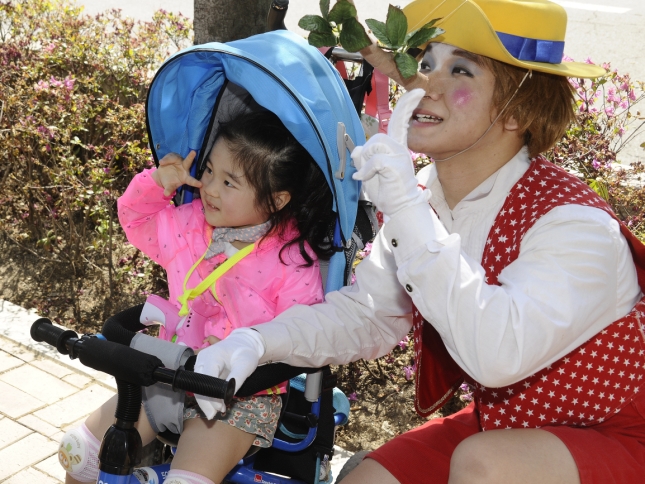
384,164
236,356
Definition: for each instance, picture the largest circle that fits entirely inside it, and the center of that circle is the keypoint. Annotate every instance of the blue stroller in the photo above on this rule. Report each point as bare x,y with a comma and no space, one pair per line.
191,94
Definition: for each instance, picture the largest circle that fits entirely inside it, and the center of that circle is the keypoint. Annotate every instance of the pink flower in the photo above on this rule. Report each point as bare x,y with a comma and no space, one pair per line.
41,86
368,248
55,82
403,344
609,110
595,163
588,60
621,132
632,95
352,397
566,58
50,47
69,83
409,371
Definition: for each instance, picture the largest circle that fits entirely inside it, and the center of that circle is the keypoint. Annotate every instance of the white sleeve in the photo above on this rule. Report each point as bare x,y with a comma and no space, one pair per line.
573,277
365,320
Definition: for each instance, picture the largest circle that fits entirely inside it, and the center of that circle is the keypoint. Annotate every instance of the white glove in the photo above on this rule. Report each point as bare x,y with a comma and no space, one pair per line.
384,164
236,356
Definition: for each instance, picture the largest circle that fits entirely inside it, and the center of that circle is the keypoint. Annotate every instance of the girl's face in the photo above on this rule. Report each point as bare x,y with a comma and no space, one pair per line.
229,201
457,108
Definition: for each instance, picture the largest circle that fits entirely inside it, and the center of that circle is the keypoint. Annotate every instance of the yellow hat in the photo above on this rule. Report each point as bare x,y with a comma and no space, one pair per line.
523,33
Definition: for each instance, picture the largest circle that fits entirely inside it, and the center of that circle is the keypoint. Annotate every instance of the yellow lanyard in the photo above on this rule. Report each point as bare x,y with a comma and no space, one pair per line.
190,294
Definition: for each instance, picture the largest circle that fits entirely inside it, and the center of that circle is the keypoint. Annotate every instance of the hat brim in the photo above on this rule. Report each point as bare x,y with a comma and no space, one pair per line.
467,27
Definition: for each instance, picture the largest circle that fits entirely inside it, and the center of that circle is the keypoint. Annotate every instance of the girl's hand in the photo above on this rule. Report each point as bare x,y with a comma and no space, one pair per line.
211,340
174,172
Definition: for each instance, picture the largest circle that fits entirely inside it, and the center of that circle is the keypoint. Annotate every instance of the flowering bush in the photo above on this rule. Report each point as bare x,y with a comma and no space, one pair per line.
607,119
72,135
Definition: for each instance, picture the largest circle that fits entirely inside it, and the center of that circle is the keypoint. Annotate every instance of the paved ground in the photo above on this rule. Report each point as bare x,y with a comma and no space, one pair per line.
42,395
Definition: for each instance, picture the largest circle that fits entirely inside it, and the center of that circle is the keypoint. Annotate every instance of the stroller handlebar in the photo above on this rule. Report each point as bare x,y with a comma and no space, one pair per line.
128,364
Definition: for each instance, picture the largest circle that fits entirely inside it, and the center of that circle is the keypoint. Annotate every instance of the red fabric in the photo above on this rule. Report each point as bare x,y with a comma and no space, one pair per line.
609,453
586,386
598,378
422,455
377,103
440,369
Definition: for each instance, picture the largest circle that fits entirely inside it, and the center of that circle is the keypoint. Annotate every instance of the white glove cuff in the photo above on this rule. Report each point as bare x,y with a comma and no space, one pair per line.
253,337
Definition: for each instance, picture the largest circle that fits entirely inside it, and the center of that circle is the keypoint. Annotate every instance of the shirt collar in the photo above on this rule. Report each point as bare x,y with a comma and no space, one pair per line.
495,186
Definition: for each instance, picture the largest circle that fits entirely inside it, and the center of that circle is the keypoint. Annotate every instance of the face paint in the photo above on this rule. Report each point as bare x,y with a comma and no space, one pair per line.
461,97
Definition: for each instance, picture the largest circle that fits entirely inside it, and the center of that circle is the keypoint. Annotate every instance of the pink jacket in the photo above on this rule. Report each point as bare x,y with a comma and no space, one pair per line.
253,291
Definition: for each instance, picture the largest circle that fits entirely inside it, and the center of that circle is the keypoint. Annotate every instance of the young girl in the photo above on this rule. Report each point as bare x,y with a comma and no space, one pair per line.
518,278
264,206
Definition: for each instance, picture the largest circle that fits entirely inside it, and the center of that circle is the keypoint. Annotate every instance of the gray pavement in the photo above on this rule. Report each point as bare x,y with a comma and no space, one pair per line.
43,395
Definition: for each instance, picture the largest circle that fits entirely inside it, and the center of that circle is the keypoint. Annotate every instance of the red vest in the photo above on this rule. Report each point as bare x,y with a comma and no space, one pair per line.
583,388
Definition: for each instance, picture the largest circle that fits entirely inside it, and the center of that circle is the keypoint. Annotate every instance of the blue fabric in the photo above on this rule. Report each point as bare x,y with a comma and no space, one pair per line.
526,49
284,74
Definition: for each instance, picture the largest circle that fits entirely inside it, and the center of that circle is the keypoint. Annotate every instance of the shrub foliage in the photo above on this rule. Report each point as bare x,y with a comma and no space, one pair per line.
72,134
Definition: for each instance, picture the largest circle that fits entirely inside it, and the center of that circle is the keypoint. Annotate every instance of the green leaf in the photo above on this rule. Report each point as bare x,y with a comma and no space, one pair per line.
314,23
378,29
342,11
353,36
321,39
324,8
396,26
430,24
406,64
642,145
423,35
599,187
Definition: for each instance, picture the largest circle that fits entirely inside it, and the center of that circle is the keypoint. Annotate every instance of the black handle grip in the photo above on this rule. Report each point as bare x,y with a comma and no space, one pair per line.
198,383
44,330
122,362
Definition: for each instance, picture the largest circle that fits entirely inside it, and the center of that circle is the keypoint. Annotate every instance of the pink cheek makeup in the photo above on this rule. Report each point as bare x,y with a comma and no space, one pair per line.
461,97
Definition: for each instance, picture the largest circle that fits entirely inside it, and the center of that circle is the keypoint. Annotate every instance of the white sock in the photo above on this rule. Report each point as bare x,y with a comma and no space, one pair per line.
178,476
79,454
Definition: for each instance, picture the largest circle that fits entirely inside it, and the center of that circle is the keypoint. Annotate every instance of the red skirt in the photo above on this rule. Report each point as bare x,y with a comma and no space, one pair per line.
611,452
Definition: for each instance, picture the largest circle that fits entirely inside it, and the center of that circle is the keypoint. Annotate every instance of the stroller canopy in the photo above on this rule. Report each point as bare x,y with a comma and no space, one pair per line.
283,74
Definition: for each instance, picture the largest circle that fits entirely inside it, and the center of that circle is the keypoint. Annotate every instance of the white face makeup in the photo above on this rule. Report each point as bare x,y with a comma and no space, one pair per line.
457,108
229,201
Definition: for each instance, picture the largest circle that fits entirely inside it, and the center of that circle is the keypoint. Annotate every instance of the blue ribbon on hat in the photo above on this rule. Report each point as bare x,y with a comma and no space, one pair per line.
526,49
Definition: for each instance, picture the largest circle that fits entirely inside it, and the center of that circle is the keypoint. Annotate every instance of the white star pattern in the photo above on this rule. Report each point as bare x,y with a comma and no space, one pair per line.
574,390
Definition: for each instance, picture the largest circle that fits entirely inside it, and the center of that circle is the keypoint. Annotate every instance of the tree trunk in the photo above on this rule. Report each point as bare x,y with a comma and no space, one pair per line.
226,20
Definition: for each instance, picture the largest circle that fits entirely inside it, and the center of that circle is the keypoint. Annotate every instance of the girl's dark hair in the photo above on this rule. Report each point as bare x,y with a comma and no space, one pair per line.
273,161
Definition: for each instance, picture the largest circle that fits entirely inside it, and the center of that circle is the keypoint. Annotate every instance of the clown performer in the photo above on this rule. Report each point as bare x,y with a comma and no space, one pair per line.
515,276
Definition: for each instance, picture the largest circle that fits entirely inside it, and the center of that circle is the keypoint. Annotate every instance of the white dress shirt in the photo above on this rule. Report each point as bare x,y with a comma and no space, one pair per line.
573,277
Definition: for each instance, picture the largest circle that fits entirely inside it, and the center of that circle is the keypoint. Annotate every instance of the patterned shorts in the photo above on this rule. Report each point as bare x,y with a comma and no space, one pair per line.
256,415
